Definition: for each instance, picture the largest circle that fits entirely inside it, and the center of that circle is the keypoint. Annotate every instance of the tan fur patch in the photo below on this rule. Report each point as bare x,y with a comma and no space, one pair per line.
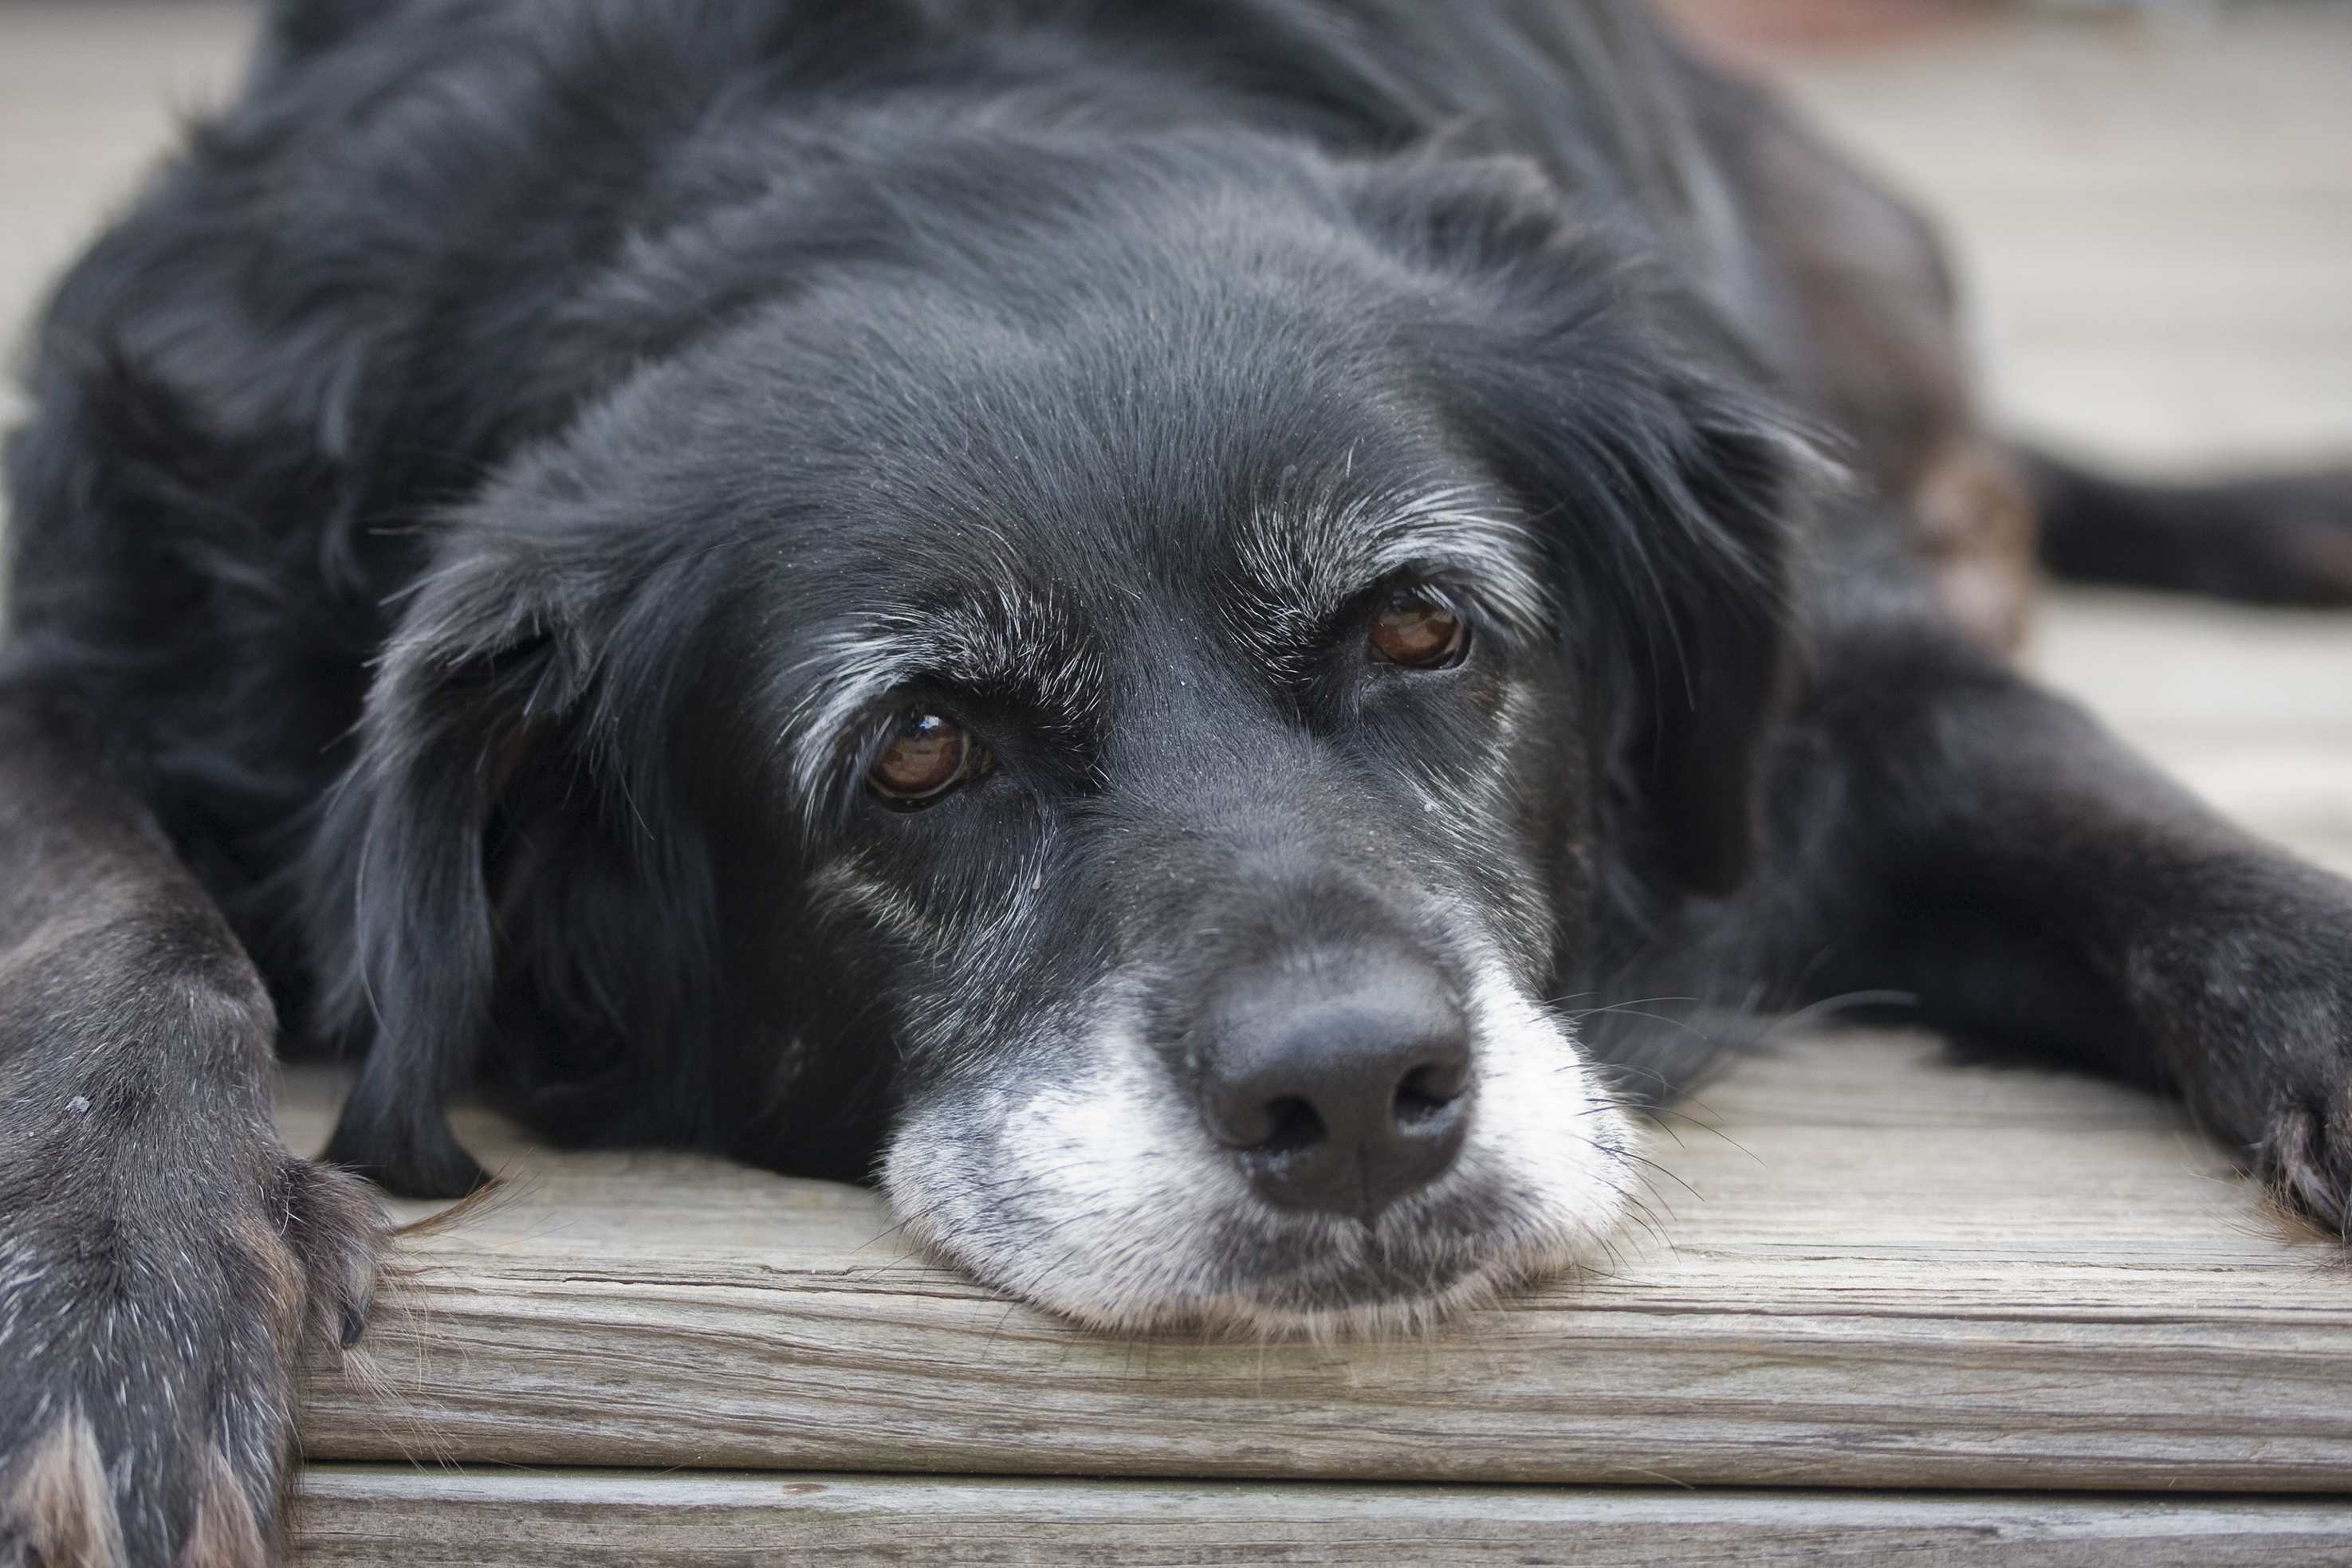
1971,521
223,1533
62,1504
271,1270
335,1225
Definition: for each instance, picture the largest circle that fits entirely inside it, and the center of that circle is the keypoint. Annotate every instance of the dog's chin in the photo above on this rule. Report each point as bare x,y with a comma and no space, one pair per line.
1342,1305
1099,1197
1335,1279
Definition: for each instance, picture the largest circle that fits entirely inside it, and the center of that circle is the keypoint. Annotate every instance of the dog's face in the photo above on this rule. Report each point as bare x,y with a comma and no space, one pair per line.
1148,730
1211,854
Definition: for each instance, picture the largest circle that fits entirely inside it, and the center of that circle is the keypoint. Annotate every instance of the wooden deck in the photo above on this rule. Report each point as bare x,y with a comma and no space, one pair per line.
1884,1306
627,1520
1861,1268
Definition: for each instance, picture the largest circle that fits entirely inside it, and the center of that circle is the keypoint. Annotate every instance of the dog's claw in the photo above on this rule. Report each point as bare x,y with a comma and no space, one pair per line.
2305,1174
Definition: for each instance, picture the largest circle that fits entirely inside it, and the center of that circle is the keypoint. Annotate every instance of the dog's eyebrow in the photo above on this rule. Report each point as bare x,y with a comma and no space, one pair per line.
1006,640
1300,563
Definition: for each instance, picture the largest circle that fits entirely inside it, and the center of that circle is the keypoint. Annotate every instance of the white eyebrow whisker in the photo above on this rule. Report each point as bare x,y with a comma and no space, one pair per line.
1004,638
1306,563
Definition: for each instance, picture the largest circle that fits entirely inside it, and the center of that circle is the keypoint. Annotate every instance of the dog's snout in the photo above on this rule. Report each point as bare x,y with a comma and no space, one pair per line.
1340,1096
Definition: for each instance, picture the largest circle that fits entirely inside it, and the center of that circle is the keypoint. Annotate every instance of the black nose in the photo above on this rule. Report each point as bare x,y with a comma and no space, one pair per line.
1339,1093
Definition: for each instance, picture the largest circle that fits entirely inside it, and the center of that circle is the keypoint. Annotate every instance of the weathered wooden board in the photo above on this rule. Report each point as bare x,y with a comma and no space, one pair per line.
2153,233
352,1515
1863,1266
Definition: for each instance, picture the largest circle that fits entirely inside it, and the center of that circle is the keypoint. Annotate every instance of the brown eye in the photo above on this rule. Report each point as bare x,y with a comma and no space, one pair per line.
927,754
1414,632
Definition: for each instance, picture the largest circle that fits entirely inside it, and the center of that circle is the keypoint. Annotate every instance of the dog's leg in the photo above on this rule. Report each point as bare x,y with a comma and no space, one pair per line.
2286,539
1952,830
163,1259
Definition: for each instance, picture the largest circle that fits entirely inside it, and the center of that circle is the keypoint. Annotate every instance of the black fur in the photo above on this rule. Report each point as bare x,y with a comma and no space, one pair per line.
459,489
2278,539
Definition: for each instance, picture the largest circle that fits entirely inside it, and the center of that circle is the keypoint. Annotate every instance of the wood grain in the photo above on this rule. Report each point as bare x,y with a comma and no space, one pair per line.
1864,1266
364,1515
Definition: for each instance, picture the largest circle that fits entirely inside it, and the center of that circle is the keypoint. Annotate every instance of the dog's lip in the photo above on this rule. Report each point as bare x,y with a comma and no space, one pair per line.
1422,1261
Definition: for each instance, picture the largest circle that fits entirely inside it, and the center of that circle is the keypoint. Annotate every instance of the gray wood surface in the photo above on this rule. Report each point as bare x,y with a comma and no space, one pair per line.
1863,1266
2152,227
356,1516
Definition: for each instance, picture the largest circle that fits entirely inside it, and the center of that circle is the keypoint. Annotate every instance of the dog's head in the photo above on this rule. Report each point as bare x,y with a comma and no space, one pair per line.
1124,705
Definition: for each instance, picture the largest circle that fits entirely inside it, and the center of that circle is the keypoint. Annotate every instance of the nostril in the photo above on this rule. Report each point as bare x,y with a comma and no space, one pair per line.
1255,1117
1424,1094
1296,1126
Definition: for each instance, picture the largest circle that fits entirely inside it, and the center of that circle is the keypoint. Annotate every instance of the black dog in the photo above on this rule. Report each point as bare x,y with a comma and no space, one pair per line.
1100,609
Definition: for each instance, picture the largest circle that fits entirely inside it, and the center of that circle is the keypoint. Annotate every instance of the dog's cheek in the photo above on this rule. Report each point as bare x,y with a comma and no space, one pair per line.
951,944
1500,816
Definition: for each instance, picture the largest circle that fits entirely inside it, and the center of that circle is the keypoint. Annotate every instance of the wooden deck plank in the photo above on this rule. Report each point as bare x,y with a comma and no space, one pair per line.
2152,229
1865,1267
356,1515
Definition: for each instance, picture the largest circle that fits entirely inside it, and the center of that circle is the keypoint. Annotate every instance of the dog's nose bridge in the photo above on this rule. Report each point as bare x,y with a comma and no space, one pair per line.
1258,799
1227,833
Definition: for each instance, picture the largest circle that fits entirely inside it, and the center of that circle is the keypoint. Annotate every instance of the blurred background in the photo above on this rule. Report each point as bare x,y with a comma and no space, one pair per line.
2148,203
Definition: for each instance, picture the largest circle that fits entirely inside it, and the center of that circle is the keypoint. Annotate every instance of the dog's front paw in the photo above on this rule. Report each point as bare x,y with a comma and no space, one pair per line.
164,1261
2278,1076
2304,1159
150,1324
2249,997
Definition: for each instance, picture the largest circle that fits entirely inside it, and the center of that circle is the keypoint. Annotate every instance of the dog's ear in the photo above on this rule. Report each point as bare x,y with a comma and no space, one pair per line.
506,878
1662,499
1609,398
396,905
1710,641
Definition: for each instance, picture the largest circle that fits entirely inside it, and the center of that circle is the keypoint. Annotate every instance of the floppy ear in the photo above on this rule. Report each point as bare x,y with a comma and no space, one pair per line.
1663,499
1613,402
1713,645
397,907
506,879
